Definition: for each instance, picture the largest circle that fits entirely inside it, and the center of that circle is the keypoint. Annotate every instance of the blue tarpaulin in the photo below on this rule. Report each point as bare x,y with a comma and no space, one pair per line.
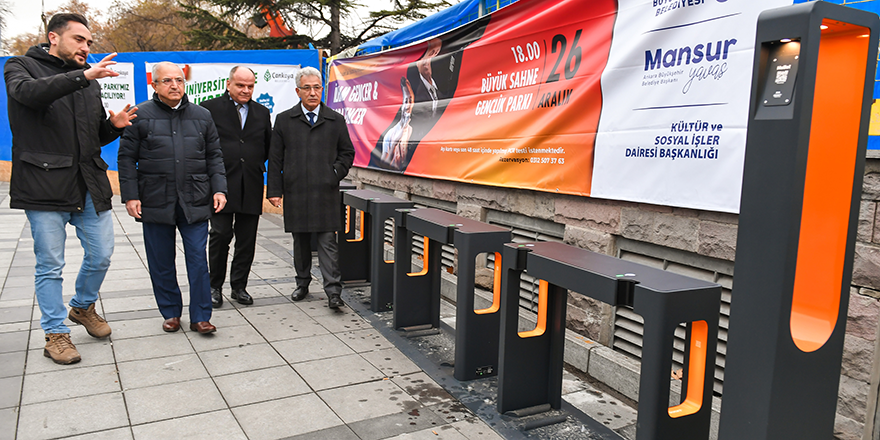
436,24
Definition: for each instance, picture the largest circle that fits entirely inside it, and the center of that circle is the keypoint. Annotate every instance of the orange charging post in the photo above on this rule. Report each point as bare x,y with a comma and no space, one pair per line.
805,155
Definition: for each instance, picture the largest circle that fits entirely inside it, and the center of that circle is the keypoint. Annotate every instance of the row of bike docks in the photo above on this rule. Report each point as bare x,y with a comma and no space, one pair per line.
488,341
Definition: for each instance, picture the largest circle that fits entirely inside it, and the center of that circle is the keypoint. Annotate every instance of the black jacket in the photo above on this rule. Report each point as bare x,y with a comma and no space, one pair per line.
169,155
58,128
244,152
306,164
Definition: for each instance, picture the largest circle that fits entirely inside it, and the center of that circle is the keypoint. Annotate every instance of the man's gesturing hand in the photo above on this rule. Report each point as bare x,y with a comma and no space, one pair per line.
123,119
101,70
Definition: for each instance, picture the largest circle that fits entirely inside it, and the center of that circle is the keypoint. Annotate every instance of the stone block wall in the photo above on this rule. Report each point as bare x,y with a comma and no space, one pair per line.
597,225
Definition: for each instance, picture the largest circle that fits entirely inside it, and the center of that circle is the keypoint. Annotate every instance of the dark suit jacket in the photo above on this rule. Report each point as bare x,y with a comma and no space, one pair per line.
306,164
244,152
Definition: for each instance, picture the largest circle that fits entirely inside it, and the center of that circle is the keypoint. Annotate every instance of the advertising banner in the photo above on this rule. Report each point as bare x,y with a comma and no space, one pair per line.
677,88
275,87
633,100
118,91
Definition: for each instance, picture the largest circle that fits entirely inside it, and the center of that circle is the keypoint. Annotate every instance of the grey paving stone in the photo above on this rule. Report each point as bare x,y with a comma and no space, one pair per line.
111,434
69,417
422,388
227,317
135,328
269,301
137,284
15,327
57,385
283,321
122,272
368,400
391,362
603,407
395,424
453,411
173,400
225,337
209,426
169,344
335,372
474,428
160,371
137,314
28,302
148,291
311,348
21,281
100,353
12,364
10,392
365,340
15,314
279,272
8,420
445,432
18,293
130,303
238,359
257,291
342,321
341,432
261,385
285,417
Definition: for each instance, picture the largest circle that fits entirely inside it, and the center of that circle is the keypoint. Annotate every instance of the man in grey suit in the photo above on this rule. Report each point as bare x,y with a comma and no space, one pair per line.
245,129
310,153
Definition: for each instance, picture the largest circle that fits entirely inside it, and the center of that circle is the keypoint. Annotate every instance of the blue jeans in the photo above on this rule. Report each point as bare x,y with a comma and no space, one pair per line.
95,233
159,240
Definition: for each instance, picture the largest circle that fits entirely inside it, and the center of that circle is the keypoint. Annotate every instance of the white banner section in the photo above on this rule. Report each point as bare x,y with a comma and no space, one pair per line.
275,87
675,103
118,91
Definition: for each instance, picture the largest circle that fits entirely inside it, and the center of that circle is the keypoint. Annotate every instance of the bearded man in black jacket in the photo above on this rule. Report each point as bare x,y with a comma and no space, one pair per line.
58,127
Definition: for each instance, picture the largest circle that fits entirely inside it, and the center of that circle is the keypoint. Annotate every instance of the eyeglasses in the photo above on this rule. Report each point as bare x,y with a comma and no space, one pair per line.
308,89
168,81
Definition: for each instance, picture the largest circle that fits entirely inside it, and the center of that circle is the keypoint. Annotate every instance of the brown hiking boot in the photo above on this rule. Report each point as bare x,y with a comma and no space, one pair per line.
60,349
93,322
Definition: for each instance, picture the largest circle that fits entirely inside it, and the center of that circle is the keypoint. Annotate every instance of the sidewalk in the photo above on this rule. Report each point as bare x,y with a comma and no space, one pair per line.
275,369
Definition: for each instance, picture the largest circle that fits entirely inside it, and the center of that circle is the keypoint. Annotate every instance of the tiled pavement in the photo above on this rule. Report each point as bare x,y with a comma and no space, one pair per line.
275,369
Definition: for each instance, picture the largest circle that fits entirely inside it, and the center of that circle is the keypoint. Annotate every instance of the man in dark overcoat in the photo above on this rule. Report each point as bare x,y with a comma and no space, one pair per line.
245,130
310,153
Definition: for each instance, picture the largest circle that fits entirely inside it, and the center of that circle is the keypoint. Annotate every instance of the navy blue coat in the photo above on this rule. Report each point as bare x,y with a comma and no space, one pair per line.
170,155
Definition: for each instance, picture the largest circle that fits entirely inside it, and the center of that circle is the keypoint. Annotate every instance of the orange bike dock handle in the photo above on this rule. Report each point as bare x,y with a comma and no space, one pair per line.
812,86
376,208
354,266
417,294
530,362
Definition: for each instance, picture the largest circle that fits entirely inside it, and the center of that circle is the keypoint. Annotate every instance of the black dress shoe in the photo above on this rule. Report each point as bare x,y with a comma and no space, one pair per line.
216,297
299,293
335,302
242,297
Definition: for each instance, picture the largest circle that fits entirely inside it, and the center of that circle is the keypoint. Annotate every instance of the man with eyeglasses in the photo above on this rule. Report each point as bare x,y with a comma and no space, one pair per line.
310,153
171,176
58,127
